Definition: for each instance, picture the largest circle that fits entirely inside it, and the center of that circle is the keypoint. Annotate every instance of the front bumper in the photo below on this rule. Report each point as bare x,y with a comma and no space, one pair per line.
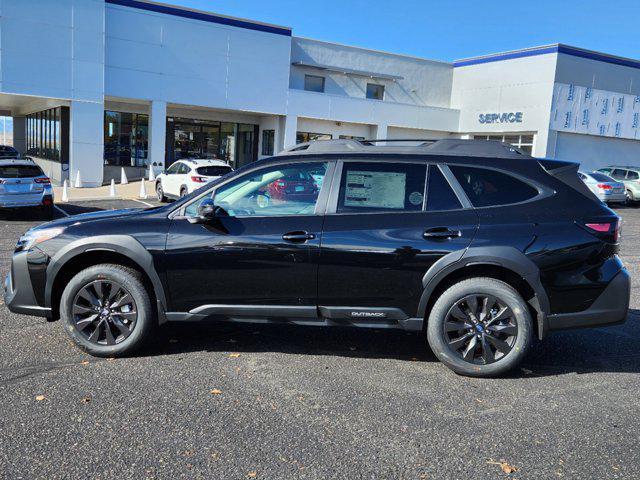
610,308
18,289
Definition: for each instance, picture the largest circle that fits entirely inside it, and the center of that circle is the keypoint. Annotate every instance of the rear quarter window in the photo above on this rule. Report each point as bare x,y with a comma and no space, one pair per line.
20,171
486,187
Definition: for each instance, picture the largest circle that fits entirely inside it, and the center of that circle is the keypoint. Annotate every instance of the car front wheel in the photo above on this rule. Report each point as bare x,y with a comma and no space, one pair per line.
160,192
107,311
480,327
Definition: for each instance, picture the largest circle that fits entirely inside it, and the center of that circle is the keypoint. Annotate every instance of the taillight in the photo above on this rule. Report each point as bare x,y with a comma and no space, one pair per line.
604,186
608,230
199,179
42,180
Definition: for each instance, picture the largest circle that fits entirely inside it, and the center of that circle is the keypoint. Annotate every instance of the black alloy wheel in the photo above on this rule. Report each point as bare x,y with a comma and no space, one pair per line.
104,312
480,329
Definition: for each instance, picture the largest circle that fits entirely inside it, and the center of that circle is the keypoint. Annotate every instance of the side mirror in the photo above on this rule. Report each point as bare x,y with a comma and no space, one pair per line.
208,211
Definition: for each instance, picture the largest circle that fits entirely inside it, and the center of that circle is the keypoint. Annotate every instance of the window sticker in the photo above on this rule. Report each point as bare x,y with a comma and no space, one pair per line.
416,198
375,189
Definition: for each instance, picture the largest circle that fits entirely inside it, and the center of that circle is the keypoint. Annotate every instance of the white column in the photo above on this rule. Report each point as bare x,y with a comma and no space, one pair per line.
157,135
20,133
86,142
381,132
290,130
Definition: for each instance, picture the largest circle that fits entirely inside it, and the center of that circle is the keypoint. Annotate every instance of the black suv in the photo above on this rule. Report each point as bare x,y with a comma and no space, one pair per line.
473,242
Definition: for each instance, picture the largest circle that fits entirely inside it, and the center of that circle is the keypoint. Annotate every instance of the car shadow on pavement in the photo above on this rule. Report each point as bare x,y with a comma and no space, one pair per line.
612,349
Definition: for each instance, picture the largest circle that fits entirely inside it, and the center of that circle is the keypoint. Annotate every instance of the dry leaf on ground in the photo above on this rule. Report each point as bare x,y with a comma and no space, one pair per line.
39,398
506,468
234,355
215,391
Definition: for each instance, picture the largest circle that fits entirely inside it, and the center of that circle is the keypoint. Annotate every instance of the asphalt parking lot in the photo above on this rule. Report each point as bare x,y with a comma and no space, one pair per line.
233,402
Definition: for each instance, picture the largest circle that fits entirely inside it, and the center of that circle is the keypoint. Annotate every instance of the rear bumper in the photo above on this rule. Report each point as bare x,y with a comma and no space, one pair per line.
614,198
18,289
25,200
610,308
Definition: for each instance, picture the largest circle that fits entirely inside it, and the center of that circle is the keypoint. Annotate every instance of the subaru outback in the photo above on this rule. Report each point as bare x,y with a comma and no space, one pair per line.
478,245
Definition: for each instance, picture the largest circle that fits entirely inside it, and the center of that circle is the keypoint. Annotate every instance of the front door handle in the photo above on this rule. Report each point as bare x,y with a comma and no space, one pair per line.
441,233
298,237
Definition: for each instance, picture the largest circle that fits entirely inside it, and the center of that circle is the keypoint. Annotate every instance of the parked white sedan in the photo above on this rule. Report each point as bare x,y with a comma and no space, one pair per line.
187,175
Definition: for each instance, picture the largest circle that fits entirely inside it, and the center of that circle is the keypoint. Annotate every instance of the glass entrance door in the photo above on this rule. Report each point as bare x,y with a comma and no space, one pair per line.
235,143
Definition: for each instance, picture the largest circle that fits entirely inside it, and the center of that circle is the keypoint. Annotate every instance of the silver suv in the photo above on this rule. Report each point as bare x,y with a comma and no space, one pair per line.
24,184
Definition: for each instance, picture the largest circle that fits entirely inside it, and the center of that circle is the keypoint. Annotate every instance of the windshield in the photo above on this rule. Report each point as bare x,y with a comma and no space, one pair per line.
213,170
20,171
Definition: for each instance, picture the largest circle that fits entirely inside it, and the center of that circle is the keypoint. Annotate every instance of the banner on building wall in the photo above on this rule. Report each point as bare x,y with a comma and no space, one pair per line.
595,112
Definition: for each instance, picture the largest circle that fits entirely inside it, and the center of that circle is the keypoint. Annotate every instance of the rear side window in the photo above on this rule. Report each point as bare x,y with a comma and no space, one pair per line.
20,171
632,175
486,187
375,187
213,170
440,195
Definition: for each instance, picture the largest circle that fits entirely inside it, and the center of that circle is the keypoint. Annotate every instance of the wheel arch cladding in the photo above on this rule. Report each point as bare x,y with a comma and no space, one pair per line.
502,262
119,249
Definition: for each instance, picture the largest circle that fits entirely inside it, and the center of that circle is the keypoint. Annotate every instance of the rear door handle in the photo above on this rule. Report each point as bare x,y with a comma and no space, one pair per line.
441,233
298,237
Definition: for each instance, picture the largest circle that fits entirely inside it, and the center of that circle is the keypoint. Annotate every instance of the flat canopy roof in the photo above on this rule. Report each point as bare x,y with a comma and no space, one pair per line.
348,71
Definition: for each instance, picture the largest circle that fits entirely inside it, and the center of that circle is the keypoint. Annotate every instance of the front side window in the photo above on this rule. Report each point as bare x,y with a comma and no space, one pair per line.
273,191
618,174
379,187
314,83
173,169
486,187
375,91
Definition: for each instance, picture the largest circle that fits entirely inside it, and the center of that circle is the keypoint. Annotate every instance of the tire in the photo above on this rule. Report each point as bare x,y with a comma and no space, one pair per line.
513,333
160,193
137,316
630,197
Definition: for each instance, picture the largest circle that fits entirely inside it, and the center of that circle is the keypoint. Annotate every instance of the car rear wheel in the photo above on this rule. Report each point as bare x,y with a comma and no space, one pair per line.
480,327
107,311
160,192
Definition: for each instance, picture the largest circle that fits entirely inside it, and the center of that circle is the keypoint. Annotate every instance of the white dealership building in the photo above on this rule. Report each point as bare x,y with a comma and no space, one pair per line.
98,85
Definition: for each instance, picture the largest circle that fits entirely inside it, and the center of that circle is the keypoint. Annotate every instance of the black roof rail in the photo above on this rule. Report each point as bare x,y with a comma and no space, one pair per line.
442,146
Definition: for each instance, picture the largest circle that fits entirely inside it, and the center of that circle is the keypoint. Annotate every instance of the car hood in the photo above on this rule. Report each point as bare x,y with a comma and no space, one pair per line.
92,217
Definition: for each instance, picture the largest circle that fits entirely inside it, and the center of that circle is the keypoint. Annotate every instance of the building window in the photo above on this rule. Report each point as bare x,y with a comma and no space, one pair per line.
523,142
302,137
268,140
235,143
375,91
351,137
313,83
48,134
126,139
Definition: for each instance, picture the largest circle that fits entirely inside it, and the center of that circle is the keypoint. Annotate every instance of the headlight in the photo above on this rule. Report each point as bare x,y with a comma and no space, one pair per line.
34,237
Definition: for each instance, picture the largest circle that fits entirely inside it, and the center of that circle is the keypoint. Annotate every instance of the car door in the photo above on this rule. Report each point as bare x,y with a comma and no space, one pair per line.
383,230
170,180
261,260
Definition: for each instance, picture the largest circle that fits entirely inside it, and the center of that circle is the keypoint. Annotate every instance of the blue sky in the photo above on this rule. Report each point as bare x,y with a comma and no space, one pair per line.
447,30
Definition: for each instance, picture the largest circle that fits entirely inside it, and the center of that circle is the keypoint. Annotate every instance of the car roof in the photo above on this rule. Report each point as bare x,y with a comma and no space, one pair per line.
442,147
204,162
8,161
